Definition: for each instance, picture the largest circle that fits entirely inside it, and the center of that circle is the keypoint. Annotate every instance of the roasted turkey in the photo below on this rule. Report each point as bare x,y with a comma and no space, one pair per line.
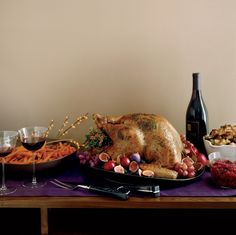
152,136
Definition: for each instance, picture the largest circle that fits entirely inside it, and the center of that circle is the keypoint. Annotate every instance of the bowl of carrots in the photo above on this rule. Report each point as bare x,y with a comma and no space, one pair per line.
52,155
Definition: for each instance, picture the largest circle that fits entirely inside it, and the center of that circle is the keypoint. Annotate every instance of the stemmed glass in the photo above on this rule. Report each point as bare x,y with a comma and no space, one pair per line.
33,138
8,141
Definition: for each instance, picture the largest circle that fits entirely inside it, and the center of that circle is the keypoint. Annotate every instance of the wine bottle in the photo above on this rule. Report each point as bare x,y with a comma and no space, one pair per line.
197,116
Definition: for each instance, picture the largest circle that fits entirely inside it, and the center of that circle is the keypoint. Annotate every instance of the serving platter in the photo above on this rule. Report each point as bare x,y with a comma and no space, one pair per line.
48,163
134,179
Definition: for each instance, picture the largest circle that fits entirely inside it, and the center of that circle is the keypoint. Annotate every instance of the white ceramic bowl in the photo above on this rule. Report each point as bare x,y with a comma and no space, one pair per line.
226,151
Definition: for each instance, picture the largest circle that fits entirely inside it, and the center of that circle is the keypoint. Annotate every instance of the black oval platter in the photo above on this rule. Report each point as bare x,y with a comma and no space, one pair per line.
134,179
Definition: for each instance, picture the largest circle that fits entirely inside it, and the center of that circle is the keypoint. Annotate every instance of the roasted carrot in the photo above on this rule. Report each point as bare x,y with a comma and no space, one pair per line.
48,153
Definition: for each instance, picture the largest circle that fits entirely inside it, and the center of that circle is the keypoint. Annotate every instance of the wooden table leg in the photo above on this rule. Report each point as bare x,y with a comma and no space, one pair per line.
44,220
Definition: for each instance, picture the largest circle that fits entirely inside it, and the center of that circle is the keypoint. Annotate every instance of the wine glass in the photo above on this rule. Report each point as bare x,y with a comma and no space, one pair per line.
33,138
8,141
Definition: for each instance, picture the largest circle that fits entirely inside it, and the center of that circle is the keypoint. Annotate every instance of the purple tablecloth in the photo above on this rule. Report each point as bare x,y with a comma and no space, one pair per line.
202,187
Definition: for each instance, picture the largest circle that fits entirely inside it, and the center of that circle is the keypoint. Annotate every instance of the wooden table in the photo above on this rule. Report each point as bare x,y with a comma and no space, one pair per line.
45,203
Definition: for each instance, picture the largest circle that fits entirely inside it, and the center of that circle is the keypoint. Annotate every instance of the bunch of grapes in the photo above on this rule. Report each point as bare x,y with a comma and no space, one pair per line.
185,168
86,158
191,151
192,160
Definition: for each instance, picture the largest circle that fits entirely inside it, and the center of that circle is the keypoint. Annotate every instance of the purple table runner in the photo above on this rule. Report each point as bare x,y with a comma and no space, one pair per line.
202,187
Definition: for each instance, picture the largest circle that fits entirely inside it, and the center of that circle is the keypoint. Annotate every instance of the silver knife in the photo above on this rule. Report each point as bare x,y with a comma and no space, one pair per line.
120,192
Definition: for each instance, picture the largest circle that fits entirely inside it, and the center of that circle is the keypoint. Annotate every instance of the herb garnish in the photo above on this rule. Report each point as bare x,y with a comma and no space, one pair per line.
96,138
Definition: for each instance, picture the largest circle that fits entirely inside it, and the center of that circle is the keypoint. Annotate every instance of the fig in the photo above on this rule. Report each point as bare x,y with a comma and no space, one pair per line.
124,161
119,169
136,157
133,166
148,173
104,157
139,172
202,159
109,166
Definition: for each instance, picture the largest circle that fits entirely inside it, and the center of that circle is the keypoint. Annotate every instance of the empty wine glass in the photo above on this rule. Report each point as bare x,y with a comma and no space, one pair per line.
8,141
33,138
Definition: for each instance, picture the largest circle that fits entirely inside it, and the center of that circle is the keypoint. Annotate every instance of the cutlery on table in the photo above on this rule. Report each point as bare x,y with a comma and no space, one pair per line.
119,192
152,189
146,189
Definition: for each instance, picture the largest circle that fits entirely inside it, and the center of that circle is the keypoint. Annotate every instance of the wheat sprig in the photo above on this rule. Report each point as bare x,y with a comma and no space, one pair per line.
63,131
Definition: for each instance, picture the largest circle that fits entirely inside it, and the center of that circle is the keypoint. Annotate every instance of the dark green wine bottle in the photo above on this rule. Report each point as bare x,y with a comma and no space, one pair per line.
197,116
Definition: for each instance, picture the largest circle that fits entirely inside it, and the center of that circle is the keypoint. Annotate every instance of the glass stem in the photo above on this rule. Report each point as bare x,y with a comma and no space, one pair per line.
3,175
34,180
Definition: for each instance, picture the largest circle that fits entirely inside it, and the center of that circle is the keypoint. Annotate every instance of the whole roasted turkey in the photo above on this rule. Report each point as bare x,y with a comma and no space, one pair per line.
152,136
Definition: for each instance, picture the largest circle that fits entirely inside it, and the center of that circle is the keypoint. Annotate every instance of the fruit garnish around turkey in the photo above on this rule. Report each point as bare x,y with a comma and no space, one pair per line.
136,157
133,167
188,167
104,157
192,160
109,166
191,151
119,169
148,173
124,161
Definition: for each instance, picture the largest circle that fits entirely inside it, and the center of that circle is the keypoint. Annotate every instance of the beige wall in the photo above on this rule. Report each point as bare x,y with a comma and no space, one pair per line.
69,57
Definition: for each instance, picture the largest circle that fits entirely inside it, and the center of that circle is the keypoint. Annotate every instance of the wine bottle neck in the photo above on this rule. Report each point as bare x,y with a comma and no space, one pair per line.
196,82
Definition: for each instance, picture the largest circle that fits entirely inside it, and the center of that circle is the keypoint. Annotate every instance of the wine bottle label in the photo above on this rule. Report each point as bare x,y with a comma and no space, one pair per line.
194,134
193,129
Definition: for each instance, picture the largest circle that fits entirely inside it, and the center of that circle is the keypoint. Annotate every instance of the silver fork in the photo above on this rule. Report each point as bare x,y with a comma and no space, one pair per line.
68,186
120,192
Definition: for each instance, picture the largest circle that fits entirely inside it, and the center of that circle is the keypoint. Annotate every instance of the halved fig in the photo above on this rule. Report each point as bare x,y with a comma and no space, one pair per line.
104,157
148,173
139,172
133,166
119,169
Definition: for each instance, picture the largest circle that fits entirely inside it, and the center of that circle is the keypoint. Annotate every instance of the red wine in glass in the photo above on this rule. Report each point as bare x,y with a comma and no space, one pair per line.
5,151
33,138
7,144
33,144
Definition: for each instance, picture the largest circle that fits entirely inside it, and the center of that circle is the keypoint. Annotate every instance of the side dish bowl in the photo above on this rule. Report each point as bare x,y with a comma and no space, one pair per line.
226,151
223,170
52,160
